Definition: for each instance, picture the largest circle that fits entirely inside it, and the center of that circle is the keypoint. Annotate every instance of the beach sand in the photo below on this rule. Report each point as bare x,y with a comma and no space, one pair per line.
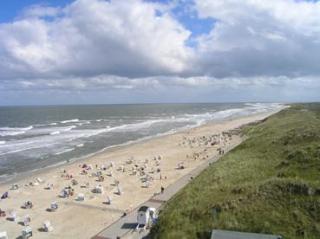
84,219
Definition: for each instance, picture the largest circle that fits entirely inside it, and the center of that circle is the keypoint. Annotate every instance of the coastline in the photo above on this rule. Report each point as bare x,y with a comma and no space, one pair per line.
39,171
259,187
134,193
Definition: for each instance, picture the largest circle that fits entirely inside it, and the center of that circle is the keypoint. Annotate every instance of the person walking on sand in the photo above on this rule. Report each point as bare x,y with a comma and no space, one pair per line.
162,190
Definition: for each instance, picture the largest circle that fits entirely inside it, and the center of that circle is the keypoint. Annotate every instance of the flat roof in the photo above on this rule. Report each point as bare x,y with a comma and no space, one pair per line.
222,234
143,209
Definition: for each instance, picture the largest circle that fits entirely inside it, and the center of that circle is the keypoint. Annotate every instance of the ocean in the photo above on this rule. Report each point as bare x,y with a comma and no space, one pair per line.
35,137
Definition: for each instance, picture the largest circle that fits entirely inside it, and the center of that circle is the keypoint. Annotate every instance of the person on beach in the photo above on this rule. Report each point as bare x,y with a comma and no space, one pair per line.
2,213
162,190
5,195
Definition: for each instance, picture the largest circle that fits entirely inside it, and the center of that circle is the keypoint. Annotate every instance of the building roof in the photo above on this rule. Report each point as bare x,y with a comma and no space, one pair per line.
221,234
143,209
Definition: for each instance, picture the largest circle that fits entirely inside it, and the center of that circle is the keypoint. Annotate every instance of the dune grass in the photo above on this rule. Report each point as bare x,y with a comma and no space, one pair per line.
268,184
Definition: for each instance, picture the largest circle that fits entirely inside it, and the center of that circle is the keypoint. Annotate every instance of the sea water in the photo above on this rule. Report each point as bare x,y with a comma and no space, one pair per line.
34,137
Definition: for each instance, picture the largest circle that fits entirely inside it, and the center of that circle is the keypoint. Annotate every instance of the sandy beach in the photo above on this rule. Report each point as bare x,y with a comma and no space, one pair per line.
127,176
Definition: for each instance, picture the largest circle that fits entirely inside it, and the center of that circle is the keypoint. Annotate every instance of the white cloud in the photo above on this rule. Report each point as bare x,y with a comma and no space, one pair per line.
300,15
111,82
91,37
100,45
258,37
37,11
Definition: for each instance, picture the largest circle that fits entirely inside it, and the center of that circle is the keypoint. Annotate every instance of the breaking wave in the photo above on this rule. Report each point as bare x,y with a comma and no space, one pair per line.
75,138
8,131
69,121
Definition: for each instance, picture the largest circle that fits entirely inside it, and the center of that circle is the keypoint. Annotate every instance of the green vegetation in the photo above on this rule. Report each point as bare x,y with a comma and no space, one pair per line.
268,184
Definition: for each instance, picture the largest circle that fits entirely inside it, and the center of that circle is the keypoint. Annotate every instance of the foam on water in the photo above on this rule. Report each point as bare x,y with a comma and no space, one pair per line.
134,126
61,135
53,139
64,151
76,138
9,131
69,121
16,129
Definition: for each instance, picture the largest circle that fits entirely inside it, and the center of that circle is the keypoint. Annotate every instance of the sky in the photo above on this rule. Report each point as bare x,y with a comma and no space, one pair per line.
158,51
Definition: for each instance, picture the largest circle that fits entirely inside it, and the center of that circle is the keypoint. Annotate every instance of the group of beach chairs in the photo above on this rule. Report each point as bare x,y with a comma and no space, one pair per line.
27,231
26,220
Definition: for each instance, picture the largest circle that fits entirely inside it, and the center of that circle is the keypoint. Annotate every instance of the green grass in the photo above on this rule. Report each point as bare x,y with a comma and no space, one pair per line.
268,184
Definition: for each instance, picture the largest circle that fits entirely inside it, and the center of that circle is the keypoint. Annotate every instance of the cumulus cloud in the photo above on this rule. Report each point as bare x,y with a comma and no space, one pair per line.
100,45
256,37
91,37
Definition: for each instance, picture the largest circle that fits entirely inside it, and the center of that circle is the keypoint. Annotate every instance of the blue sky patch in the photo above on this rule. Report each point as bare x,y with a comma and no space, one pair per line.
184,11
11,9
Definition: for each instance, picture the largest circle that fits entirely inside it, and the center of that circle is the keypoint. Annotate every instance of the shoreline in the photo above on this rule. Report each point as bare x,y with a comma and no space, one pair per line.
259,187
109,149
172,152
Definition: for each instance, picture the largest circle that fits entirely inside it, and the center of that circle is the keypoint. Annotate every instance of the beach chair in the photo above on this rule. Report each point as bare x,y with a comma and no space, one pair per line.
14,187
109,200
47,227
13,216
39,180
64,193
80,197
3,235
180,166
26,232
49,186
27,205
54,206
119,190
26,220
98,189
146,184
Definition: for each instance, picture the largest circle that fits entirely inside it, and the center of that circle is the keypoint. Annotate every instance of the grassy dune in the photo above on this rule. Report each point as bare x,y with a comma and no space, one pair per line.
268,184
